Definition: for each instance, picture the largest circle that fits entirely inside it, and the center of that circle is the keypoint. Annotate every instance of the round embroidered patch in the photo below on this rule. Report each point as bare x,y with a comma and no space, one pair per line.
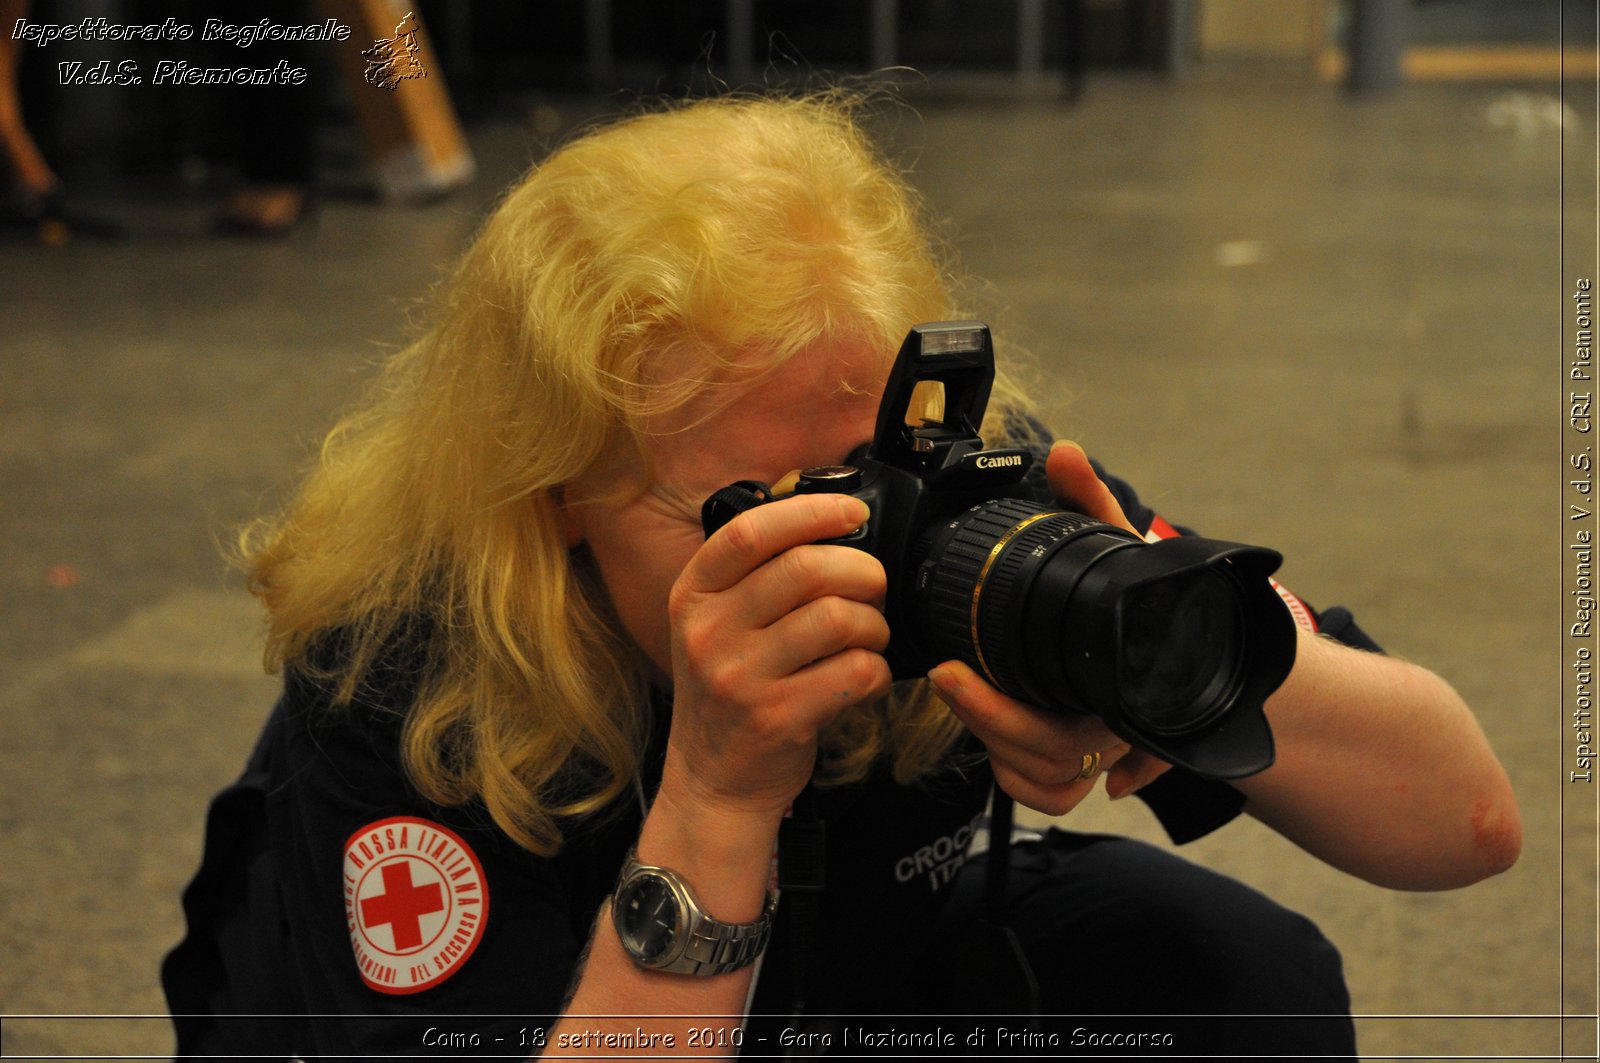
416,902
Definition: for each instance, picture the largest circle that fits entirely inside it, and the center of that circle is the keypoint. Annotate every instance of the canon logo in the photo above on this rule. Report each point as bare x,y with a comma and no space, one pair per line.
1000,462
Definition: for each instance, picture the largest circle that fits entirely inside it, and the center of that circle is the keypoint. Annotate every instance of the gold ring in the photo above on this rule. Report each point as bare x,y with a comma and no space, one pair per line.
1091,766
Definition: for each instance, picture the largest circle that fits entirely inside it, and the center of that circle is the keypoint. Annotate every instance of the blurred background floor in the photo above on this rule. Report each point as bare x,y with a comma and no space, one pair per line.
1331,326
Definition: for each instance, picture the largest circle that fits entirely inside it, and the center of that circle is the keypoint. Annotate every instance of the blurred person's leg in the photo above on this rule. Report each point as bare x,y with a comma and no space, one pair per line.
277,151
31,177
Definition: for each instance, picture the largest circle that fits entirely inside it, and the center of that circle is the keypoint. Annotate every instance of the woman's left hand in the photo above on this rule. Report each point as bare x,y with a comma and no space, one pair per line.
1044,760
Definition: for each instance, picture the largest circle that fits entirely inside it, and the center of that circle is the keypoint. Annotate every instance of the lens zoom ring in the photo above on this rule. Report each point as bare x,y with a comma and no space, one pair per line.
1002,593
960,567
947,596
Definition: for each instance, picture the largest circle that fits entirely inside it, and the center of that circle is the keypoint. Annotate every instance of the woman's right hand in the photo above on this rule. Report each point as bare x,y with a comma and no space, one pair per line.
774,634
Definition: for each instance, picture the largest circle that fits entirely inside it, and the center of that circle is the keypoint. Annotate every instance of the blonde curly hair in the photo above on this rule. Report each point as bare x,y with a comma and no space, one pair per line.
729,234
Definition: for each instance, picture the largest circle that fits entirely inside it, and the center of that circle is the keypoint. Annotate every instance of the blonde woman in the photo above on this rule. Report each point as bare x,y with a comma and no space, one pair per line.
515,668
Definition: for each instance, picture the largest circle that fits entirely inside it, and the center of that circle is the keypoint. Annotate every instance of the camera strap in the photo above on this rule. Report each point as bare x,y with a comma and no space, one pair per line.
1001,809
990,945
802,876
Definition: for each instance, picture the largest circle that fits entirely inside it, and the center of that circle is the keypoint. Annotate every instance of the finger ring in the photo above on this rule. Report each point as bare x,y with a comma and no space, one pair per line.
1091,766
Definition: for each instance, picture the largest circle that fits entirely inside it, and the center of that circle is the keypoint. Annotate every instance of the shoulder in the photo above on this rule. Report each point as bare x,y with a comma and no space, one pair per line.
395,898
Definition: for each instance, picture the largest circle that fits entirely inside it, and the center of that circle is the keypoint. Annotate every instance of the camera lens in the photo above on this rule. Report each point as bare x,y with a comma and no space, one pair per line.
1174,644
1181,643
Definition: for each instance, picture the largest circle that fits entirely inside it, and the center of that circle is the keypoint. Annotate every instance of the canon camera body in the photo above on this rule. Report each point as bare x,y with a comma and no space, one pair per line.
1175,644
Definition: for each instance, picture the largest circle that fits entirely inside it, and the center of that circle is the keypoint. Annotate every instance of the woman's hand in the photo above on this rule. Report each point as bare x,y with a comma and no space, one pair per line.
1044,760
773,635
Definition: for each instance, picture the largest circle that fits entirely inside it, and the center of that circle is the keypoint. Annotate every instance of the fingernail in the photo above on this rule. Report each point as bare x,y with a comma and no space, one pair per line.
943,679
854,510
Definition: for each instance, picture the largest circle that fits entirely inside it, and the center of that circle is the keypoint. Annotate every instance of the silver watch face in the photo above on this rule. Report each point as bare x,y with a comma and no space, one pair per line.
649,917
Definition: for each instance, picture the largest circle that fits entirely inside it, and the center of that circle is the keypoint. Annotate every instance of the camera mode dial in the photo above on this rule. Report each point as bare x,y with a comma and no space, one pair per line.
823,479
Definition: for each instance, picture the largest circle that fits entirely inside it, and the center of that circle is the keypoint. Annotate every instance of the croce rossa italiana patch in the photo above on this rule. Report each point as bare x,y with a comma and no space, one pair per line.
416,902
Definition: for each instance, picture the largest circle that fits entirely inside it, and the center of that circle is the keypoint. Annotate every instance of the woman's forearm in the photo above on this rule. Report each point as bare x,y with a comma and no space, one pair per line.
1383,772
727,859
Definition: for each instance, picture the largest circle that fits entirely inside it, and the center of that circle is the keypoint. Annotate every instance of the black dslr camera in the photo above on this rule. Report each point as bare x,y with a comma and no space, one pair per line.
1174,644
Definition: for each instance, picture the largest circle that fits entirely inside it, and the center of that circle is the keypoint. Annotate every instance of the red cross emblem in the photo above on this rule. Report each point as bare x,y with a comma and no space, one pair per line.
401,905
416,902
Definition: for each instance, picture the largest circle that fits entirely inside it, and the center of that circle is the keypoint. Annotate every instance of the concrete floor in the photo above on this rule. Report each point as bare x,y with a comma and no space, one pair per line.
1292,319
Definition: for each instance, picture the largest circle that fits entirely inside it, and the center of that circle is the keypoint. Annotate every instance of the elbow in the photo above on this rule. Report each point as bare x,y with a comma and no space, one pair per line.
1496,832
1492,845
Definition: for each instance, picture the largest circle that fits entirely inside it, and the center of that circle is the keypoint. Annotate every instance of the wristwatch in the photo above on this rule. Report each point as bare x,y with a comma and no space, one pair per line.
663,927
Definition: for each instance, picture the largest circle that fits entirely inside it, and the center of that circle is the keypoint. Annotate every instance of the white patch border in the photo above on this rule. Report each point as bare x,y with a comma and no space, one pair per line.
350,876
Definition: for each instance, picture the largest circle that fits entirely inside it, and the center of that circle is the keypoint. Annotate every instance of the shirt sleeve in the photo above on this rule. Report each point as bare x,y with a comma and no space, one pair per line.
412,927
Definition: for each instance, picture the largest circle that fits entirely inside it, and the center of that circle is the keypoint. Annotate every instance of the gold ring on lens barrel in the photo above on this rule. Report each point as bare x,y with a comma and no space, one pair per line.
983,576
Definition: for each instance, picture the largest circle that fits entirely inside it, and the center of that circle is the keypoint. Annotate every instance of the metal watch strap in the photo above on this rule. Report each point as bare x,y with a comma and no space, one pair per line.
718,948
713,947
